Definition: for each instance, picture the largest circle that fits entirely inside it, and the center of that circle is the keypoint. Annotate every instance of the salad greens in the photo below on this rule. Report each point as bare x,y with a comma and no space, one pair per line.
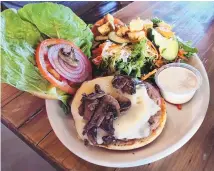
137,60
156,20
187,47
152,44
134,64
22,31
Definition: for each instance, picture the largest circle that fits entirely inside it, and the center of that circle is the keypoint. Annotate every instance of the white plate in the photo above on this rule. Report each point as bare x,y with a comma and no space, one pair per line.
180,127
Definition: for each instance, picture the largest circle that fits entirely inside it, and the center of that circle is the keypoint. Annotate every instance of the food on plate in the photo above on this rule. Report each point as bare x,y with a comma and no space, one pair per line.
50,52
138,48
116,112
178,82
34,71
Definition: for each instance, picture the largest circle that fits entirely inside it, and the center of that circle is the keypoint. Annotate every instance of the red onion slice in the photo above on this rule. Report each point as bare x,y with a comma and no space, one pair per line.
74,74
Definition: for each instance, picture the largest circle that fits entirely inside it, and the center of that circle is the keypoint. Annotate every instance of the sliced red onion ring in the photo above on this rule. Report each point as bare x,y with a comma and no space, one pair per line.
74,74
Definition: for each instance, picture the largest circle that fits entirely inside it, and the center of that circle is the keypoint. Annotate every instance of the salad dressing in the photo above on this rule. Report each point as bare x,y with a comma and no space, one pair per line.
177,80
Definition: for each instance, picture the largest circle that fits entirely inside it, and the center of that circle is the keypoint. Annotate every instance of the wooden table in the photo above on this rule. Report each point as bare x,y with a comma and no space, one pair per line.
26,116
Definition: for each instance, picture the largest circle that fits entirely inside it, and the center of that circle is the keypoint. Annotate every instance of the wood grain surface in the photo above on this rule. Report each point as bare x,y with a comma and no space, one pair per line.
26,116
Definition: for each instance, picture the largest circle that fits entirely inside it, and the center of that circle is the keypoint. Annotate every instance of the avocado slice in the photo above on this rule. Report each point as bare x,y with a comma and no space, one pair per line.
168,48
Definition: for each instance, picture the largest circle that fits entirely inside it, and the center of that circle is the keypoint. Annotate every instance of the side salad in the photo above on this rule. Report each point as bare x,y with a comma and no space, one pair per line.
136,49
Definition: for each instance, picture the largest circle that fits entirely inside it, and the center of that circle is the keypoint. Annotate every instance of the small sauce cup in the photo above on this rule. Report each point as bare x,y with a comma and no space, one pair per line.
173,96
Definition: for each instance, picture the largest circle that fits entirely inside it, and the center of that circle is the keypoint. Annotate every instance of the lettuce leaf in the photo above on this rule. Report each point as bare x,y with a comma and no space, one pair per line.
18,40
22,31
58,21
156,20
137,61
187,47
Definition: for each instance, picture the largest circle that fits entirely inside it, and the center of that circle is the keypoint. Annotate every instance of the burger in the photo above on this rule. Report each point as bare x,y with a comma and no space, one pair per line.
118,112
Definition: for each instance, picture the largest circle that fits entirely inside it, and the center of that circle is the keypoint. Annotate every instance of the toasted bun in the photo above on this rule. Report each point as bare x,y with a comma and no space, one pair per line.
137,143
43,95
105,83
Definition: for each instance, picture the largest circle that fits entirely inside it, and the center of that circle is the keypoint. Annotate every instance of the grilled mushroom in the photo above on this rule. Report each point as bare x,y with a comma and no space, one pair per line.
68,55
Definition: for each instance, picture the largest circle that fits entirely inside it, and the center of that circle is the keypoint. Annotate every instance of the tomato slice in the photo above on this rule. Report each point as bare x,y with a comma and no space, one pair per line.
52,76
97,51
97,60
97,54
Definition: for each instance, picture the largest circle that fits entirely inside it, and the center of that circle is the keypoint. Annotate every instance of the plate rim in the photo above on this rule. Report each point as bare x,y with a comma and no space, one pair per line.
169,150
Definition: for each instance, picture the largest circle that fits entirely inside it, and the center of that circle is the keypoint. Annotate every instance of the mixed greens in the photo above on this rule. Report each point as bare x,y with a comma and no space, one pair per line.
155,21
187,47
136,49
138,58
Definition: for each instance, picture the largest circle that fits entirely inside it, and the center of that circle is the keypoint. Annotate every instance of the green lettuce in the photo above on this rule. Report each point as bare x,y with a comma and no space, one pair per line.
136,62
187,47
156,20
22,31
18,41
58,21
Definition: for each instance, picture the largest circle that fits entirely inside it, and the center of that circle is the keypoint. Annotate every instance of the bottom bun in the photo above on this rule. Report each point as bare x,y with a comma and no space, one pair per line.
137,143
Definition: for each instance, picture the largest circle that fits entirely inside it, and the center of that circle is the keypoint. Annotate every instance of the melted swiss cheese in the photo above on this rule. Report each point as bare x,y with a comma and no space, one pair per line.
132,123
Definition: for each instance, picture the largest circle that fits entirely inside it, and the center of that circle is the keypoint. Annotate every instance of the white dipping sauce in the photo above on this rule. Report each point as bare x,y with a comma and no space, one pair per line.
177,79
178,83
